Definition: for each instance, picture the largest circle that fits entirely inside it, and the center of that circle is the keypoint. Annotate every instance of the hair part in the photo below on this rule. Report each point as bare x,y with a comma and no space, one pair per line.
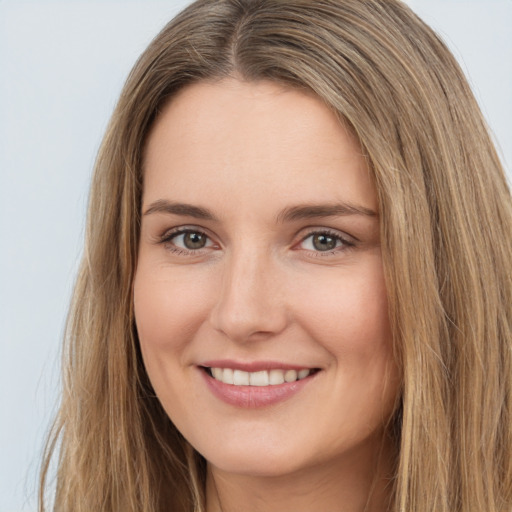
446,220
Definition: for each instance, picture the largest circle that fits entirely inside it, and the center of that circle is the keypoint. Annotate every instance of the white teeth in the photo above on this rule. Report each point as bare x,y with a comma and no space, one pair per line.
218,373
258,378
302,374
227,375
240,378
290,375
275,377
261,378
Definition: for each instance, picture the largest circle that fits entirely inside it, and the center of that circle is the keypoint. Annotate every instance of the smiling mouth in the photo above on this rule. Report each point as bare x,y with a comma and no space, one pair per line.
261,378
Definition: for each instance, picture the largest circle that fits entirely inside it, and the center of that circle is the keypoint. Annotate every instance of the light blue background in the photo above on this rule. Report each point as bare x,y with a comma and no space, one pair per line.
62,66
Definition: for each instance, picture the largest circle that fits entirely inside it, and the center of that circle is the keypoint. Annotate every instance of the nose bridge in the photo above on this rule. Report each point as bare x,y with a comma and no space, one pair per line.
250,300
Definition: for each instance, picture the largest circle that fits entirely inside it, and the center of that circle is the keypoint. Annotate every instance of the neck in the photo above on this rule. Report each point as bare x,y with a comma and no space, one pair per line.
351,484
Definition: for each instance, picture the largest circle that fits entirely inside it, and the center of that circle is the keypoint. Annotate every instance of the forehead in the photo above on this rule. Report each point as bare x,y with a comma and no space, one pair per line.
250,140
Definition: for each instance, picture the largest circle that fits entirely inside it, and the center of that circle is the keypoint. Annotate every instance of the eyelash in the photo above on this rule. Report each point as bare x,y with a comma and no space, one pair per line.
346,244
168,237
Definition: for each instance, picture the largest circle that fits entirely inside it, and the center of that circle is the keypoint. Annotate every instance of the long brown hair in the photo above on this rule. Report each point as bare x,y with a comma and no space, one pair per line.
446,224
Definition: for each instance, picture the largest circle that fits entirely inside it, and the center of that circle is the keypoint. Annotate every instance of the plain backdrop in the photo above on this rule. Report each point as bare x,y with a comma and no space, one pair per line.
62,66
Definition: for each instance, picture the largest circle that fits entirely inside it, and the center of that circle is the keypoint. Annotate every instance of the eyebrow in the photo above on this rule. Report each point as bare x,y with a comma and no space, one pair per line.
184,209
311,211
290,214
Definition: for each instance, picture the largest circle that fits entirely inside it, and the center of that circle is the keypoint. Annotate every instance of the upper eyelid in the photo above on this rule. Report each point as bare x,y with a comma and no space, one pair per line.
345,243
171,233
329,233
167,239
343,235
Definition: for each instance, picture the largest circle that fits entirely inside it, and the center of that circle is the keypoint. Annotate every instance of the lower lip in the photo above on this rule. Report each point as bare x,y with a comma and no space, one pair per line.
252,397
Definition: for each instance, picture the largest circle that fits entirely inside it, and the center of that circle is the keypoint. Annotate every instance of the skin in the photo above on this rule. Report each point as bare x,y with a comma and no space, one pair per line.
260,289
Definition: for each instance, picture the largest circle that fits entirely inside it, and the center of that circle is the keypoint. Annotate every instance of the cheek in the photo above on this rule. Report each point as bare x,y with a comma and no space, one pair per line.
167,304
349,317
169,308
348,313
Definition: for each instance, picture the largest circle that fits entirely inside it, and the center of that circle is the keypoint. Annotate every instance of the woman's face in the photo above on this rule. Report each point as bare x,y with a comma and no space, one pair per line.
260,300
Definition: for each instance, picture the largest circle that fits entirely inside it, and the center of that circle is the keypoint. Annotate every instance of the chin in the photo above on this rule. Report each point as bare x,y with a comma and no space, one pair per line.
269,460
266,466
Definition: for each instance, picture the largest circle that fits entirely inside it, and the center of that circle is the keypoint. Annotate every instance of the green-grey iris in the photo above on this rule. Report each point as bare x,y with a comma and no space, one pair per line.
194,240
324,242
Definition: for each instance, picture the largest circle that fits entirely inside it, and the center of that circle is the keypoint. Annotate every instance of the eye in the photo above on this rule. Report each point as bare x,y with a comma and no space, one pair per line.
186,240
325,241
191,240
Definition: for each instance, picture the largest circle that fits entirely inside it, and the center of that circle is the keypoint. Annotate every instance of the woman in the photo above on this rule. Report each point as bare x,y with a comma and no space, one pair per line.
296,284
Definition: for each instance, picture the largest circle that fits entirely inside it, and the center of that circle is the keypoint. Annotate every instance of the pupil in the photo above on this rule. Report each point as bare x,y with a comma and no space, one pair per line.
324,242
194,240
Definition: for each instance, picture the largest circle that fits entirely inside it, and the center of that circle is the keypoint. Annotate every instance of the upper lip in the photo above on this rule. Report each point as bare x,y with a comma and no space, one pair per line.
254,366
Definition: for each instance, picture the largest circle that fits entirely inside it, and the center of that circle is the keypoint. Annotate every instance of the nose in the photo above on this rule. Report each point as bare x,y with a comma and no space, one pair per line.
250,304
